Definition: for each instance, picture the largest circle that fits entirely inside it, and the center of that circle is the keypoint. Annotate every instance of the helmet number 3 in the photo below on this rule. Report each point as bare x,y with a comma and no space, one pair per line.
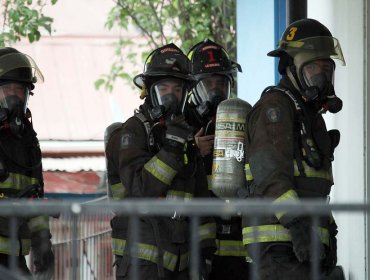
291,33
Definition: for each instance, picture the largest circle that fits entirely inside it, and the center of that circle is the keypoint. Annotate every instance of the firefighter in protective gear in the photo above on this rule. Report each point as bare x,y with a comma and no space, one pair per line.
290,154
152,155
20,164
213,70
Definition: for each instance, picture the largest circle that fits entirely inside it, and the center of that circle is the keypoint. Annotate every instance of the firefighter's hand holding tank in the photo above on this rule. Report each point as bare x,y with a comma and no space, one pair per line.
204,142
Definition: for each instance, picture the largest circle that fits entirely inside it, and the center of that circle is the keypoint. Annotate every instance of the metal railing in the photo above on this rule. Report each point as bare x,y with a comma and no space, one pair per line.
84,258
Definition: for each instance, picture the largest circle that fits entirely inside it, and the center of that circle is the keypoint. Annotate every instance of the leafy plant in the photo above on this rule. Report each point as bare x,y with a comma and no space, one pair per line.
24,18
158,22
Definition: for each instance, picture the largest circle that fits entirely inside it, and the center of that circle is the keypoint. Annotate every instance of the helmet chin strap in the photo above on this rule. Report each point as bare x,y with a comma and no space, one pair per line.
292,78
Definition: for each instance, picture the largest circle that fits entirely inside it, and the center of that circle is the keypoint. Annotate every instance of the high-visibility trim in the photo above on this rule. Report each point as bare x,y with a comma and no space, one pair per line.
179,195
150,253
308,170
207,231
39,223
233,248
118,191
275,233
289,196
248,172
160,170
18,181
209,182
312,172
5,246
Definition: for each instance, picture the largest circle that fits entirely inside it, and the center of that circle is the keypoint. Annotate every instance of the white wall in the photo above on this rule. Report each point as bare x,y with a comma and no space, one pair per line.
345,19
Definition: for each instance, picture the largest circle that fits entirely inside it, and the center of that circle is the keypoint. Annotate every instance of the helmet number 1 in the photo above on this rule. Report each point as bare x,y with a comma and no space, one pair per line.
211,56
291,33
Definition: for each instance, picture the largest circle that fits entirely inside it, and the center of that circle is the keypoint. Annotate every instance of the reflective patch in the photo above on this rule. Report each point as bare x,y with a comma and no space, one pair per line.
126,140
273,114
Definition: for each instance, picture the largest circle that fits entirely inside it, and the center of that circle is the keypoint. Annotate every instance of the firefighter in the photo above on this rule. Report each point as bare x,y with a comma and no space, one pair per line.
290,154
20,164
213,70
152,155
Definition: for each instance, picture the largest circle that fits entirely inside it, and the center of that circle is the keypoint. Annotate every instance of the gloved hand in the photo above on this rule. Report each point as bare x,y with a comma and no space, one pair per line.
204,142
301,232
43,256
331,252
206,261
178,133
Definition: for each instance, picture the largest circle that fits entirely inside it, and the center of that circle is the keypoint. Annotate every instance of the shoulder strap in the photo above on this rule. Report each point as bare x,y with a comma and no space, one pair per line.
298,127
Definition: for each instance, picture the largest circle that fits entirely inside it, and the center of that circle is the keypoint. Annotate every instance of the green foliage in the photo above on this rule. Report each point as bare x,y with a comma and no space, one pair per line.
24,18
183,22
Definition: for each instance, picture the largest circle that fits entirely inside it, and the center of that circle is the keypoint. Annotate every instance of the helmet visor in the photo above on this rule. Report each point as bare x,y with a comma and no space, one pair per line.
316,47
318,73
14,96
170,93
13,61
212,88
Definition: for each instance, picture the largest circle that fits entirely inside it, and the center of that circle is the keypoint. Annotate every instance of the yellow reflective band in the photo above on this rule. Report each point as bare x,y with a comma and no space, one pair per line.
289,196
18,181
312,172
248,172
230,248
160,170
150,253
275,233
207,231
179,195
39,223
5,246
209,181
118,191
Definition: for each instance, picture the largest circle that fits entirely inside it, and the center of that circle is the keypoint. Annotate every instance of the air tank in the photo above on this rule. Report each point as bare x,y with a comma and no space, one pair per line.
229,148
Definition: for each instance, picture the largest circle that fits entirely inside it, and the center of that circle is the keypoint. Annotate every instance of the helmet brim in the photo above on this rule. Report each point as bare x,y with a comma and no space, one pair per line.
139,79
275,53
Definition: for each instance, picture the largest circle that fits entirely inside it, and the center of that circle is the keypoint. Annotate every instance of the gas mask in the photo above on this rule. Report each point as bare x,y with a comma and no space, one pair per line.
13,105
318,79
209,92
167,96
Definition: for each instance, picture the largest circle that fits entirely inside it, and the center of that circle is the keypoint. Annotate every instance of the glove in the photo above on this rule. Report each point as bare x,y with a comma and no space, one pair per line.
301,231
43,256
206,261
331,252
178,134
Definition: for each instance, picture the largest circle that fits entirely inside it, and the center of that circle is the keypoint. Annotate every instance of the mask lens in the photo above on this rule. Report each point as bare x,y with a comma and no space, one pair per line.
215,87
318,73
168,93
14,96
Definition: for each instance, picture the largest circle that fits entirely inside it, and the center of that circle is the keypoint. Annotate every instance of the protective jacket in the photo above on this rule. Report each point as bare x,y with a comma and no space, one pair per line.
21,177
139,167
279,167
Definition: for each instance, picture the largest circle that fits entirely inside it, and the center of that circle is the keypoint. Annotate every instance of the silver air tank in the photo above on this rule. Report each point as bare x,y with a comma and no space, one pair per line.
229,147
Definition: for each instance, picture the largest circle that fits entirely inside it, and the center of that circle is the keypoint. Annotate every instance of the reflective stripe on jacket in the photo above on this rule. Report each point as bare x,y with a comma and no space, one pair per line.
5,246
275,233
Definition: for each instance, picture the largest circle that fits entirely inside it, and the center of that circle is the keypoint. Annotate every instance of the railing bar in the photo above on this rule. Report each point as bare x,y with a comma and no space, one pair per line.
194,248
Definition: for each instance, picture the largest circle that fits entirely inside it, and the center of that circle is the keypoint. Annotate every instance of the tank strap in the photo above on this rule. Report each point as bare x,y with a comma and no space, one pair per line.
299,118
147,126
